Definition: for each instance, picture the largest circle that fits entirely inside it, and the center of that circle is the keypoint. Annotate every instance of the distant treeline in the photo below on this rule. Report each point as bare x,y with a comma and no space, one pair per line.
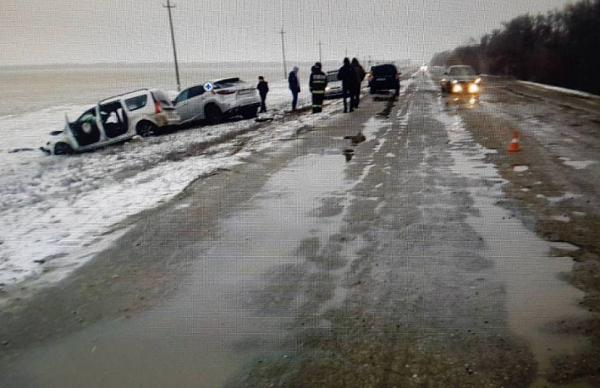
561,48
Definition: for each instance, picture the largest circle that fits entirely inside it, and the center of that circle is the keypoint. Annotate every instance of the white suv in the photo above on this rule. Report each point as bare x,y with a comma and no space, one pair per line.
116,119
216,100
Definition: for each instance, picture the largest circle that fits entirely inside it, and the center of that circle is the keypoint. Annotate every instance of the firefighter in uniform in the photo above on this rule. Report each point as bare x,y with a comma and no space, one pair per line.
317,84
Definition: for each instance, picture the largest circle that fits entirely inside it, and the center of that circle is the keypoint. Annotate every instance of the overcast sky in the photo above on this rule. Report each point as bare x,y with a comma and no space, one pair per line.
59,31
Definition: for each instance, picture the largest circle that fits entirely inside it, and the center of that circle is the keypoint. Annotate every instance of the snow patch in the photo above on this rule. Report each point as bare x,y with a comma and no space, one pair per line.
58,212
520,168
578,165
559,89
563,246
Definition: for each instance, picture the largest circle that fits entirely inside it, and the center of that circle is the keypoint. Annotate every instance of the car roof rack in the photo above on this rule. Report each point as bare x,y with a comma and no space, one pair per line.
123,94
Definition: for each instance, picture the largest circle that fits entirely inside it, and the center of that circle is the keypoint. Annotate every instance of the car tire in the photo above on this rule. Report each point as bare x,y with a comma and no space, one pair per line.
145,129
213,114
63,149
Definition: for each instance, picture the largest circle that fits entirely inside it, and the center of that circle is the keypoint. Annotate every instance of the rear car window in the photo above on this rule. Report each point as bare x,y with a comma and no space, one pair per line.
464,70
136,103
332,77
384,70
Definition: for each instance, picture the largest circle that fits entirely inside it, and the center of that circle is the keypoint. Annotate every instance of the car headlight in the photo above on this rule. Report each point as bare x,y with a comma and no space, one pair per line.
327,88
457,88
454,81
478,80
473,88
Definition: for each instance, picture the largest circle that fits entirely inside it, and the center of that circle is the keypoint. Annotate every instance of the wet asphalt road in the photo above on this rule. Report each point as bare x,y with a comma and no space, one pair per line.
305,269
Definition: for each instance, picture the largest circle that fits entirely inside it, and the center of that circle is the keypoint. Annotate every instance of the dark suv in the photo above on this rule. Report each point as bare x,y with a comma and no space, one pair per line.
384,77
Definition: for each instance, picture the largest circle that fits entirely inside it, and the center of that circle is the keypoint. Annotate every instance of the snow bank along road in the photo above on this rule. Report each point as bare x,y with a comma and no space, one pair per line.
58,212
424,256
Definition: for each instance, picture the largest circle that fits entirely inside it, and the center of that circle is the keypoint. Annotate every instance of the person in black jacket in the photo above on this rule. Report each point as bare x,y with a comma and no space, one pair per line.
349,80
360,75
317,84
294,84
263,89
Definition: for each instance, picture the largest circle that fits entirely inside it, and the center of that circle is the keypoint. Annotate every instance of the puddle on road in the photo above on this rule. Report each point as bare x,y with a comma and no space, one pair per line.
212,328
535,294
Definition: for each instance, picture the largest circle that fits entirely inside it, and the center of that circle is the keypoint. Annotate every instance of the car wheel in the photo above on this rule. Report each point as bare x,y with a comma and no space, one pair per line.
62,149
213,114
145,129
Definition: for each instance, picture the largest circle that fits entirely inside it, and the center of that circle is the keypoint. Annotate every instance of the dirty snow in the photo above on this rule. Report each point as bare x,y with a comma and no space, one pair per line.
57,212
520,168
559,89
562,218
577,165
563,246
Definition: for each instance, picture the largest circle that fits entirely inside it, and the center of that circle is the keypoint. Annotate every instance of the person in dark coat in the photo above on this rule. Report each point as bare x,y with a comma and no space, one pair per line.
263,89
294,84
317,84
349,79
360,75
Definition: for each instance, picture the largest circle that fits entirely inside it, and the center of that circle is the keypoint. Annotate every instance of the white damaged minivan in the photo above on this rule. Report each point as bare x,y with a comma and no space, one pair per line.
115,119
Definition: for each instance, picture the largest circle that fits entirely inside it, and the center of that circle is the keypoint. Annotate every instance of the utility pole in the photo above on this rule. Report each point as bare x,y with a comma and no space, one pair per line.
169,6
283,51
320,54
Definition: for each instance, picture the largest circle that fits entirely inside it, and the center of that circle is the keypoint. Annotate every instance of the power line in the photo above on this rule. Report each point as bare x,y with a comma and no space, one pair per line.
168,7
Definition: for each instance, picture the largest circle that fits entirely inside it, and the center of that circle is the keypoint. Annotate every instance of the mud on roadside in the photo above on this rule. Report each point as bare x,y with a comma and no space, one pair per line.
541,196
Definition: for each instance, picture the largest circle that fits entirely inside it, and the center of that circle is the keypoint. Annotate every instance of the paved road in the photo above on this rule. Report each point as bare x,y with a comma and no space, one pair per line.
393,262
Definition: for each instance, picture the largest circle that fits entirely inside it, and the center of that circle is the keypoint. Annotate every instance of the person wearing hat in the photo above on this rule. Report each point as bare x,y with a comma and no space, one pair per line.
317,85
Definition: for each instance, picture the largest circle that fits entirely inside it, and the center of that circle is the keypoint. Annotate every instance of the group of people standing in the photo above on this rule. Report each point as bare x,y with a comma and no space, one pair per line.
351,74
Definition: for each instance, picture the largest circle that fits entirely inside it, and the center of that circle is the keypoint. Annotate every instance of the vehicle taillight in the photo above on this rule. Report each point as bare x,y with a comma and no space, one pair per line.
157,107
225,92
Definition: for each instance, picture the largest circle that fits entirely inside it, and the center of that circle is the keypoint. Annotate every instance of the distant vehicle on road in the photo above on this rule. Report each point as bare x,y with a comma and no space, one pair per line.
461,80
384,77
215,101
115,119
334,85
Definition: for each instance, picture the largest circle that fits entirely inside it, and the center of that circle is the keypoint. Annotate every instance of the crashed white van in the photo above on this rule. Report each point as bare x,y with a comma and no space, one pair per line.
115,119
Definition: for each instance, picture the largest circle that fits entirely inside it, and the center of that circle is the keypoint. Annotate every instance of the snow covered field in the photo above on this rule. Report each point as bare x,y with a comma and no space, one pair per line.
57,212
